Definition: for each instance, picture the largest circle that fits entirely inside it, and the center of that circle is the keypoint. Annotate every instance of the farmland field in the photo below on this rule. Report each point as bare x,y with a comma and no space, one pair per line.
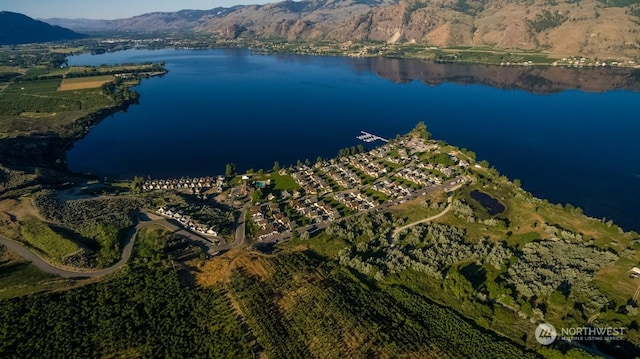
82,83
24,106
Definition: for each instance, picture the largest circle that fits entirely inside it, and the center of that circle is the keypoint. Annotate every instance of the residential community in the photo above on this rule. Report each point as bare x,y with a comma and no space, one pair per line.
307,197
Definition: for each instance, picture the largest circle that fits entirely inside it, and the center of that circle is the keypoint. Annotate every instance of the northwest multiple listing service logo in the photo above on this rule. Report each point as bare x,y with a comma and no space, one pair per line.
546,333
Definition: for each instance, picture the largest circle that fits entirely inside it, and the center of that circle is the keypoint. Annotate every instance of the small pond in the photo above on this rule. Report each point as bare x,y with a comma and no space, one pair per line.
492,205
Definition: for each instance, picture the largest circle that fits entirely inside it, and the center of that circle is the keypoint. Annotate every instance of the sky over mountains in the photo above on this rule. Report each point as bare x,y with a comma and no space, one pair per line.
113,9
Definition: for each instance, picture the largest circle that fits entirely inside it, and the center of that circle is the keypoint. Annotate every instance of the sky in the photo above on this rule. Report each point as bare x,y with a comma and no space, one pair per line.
110,9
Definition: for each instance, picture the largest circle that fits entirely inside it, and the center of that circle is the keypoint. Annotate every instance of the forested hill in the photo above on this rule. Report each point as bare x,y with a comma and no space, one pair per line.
20,29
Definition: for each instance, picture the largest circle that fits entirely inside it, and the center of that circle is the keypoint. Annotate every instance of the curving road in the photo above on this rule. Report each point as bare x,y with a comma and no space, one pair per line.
432,218
45,266
397,231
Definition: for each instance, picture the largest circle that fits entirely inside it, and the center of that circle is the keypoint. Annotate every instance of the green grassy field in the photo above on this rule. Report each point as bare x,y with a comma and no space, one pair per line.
284,182
40,236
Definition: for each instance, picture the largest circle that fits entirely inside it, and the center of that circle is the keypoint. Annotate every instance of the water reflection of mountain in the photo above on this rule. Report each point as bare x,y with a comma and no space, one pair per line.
536,79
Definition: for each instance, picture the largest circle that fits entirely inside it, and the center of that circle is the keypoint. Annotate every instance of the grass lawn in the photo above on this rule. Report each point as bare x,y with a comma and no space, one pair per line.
377,195
284,182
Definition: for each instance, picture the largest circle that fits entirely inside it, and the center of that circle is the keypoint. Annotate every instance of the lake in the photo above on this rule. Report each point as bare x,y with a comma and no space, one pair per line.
570,136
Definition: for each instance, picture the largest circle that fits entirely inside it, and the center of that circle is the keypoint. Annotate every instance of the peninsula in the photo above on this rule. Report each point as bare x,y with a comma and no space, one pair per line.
414,228
400,250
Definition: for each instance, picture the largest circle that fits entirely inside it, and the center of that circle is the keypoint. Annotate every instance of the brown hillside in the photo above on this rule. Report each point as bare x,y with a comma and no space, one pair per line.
562,28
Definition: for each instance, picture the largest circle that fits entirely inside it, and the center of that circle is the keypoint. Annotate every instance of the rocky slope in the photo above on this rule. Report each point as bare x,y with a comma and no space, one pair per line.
564,28
586,28
590,28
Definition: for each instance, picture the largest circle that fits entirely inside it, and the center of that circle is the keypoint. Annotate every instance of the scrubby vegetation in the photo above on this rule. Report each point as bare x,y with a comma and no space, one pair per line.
311,308
99,224
533,261
548,20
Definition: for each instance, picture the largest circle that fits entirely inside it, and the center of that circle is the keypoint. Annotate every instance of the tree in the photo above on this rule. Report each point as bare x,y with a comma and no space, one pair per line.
319,159
136,184
256,196
471,154
276,166
231,170
421,130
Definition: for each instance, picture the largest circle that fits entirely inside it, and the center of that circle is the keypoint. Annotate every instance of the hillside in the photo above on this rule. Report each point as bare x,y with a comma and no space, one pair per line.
184,20
20,29
591,28
563,28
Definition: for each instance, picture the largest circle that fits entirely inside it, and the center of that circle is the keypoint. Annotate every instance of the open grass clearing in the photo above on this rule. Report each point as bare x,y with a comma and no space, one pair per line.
416,209
39,235
284,182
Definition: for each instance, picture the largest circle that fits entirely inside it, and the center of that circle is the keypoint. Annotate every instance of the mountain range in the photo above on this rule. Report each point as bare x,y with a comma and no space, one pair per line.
593,28
20,29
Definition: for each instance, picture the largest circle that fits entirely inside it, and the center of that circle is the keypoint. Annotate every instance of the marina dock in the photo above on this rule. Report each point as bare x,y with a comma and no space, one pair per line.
369,137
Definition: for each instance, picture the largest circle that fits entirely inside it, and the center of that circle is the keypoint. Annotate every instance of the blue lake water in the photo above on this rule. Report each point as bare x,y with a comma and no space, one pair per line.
220,106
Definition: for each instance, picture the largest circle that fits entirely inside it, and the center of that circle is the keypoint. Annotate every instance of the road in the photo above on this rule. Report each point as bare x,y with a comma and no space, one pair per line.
64,273
241,225
425,220
45,266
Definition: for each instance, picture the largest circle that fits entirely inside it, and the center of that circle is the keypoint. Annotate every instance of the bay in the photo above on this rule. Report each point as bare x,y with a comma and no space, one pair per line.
569,135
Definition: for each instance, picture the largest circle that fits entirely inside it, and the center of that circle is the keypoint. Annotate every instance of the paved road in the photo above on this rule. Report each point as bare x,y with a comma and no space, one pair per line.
241,225
50,268
428,219
45,266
